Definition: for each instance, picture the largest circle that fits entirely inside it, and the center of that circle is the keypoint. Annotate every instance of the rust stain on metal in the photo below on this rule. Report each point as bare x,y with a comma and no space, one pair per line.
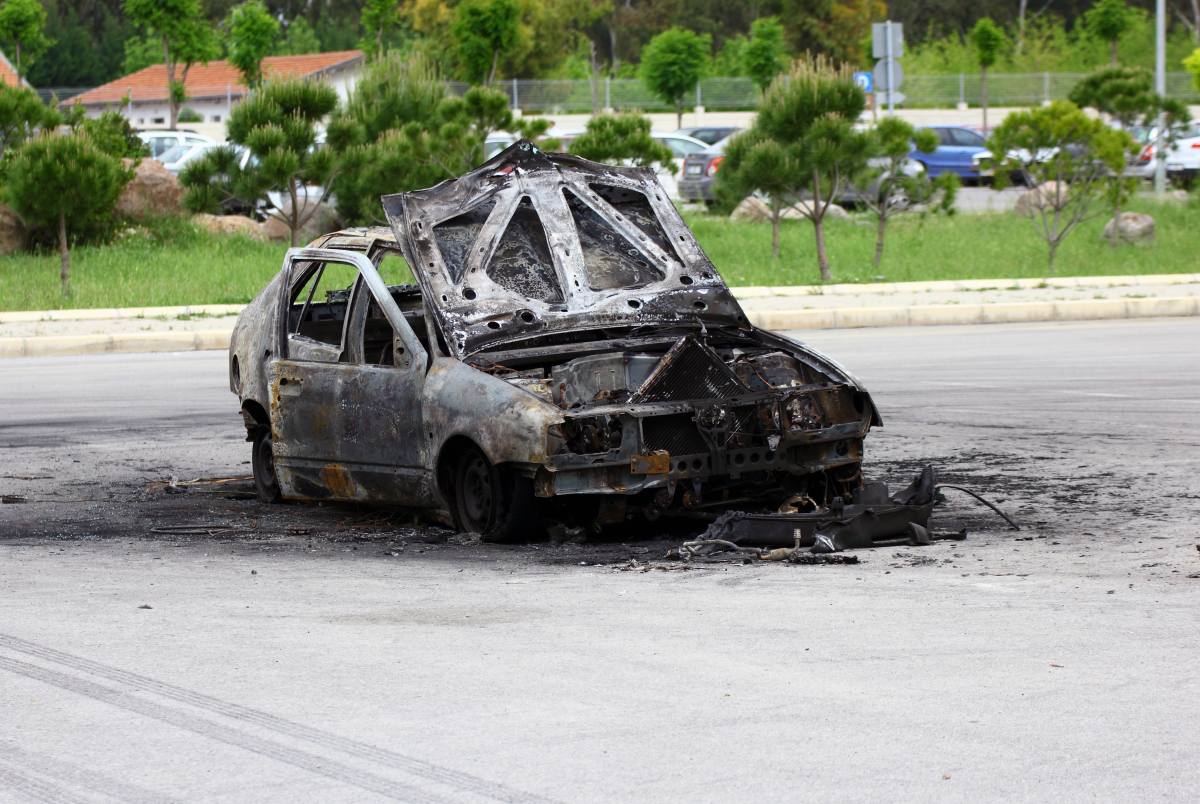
656,463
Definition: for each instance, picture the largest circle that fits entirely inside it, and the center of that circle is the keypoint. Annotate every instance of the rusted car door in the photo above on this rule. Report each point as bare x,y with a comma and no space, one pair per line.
321,415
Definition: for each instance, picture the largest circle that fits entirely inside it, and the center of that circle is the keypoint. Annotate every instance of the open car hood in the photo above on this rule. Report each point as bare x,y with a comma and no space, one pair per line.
532,244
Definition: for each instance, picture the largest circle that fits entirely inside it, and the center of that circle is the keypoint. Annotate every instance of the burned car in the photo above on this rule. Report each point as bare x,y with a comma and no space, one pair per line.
569,351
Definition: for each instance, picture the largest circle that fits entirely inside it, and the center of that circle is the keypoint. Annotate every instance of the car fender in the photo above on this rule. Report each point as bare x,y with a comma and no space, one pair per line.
509,424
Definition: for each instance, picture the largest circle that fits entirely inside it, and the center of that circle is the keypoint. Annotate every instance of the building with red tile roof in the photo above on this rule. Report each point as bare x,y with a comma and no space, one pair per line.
8,73
212,88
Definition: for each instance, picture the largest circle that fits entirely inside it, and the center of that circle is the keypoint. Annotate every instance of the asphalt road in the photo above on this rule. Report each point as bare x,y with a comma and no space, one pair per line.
326,653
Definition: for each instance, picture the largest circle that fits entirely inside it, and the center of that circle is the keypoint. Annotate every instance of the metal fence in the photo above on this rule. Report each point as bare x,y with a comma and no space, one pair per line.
921,91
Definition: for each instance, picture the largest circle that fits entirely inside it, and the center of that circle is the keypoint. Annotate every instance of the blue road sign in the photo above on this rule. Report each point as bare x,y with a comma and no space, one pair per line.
863,80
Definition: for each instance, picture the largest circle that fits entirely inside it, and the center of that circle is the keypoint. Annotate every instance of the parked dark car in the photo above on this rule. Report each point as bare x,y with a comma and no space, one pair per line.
709,135
569,350
700,172
953,155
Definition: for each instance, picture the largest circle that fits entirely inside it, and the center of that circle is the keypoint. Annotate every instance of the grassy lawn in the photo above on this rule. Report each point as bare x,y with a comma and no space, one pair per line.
176,265
994,246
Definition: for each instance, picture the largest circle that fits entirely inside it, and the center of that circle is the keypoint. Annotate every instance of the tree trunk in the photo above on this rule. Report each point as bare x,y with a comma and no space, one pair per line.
592,78
1114,53
19,73
379,41
65,253
775,212
612,43
174,113
294,218
495,61
1020,27
818,220
679,112
983,96
1196,22
1115,239
879,239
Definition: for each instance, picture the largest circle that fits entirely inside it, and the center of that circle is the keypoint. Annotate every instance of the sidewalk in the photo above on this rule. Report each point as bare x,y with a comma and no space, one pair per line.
980,301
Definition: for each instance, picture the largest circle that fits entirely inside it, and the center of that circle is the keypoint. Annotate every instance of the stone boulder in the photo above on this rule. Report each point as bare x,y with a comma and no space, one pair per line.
151,193
800,210
325,220
12,231
1049,196
1131,227
751,210
231,225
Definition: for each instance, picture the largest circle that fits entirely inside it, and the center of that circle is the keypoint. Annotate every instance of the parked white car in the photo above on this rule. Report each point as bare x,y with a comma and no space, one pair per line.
162,140
1183,158
177,158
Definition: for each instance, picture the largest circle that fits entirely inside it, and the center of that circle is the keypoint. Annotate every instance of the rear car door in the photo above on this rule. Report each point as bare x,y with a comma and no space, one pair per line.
966,144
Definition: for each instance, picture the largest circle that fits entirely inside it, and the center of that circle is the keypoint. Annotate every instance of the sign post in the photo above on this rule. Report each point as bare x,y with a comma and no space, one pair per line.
887,44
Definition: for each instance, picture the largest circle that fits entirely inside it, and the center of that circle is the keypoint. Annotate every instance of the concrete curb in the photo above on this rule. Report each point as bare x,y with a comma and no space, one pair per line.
123,313
965,285
119,343
929,314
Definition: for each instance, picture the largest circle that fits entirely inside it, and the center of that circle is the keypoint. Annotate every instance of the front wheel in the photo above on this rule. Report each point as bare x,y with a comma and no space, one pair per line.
498,506
266,483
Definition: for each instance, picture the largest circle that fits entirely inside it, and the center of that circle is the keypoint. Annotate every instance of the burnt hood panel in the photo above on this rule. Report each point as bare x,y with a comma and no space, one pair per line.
533,243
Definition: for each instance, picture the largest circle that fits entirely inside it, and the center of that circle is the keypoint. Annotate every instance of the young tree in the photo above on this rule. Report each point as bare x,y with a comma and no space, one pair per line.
810,111
301,39
378,17
987,39
186,37
23,22
1108,21
111,132
455,139
894,140
755,163
762,57
1192,65
278,123
673,63
484,30
65,181
622,139
393,92
1064,155
1125,94
253,32
22,113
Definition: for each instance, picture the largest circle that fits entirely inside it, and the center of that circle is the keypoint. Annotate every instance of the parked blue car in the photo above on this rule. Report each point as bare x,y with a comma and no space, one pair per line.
953,154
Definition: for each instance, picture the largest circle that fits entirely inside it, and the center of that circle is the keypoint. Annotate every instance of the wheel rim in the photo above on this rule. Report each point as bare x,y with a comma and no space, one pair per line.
475,493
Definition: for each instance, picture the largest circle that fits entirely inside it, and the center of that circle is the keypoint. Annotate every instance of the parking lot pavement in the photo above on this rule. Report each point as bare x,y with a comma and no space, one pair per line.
331,654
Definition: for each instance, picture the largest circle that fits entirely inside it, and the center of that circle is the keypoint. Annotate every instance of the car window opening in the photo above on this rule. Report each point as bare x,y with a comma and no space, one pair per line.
521,263
319,303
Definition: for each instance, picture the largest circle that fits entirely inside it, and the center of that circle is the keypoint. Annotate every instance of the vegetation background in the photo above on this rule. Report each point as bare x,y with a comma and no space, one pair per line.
96,42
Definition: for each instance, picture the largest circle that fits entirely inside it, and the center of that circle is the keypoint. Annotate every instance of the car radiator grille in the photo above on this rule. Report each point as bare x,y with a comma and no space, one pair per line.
676,433
689,371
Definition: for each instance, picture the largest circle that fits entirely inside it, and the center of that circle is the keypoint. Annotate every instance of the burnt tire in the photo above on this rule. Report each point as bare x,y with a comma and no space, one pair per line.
266,483
497,505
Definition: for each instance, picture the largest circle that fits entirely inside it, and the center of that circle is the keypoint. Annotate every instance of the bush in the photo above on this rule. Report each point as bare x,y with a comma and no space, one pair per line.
66,181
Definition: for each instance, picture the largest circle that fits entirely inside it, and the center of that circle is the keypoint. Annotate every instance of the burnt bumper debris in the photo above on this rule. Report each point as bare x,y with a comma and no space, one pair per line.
870,519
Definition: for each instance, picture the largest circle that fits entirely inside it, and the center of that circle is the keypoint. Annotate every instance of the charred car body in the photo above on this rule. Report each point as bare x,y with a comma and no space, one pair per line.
569,350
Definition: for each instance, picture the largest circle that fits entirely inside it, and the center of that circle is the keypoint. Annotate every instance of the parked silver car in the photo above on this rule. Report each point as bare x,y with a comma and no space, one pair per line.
568,351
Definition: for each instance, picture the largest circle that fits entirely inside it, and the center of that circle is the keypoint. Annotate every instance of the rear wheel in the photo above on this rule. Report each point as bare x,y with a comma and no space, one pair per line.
496,505
266,483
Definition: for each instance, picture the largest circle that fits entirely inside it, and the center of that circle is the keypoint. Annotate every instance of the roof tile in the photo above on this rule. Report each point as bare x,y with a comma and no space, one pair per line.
207,80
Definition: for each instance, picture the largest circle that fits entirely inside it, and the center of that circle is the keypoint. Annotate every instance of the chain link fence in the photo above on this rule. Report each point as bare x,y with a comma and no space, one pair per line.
741,94
921,91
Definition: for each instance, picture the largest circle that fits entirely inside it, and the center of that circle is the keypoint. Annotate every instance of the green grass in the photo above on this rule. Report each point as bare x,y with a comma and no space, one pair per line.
994,246
170,263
